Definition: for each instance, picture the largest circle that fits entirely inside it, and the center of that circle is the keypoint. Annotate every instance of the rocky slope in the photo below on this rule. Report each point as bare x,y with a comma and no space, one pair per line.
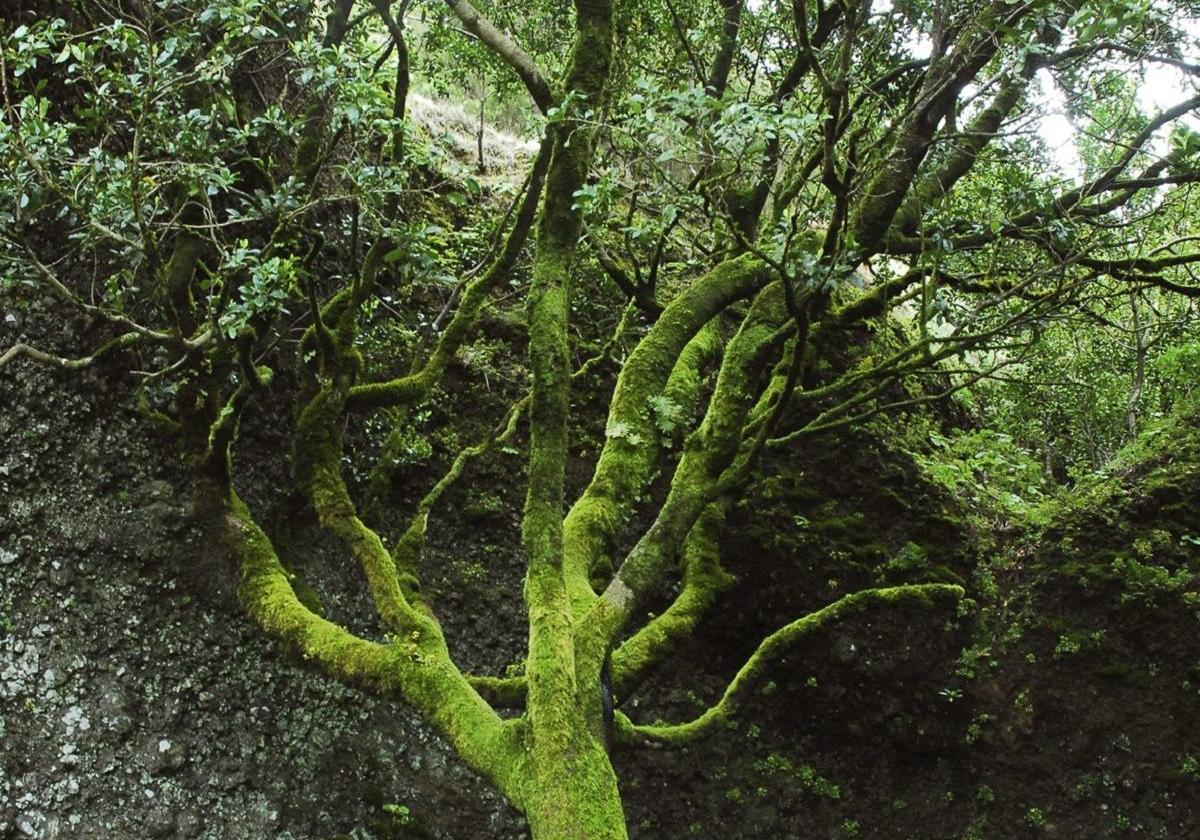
136,701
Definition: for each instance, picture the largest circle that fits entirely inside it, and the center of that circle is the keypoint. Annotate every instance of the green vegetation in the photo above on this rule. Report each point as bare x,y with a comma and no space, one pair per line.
775,232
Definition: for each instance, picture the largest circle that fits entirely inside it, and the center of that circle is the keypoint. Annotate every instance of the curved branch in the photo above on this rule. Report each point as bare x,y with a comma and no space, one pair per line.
708,452
703,581
395,28
64,363
317,452
408,389
774,647
501,692
417,667
508,50
630,450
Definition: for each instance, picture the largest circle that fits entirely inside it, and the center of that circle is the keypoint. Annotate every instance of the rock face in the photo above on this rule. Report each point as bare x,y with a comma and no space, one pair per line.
135,701
1064,707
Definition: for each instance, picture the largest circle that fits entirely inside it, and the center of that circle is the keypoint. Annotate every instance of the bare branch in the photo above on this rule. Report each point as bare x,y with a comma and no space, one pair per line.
508,50
66,363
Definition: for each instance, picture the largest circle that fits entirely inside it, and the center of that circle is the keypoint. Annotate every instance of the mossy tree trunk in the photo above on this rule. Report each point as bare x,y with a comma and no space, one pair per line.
573,789
574,796
552,762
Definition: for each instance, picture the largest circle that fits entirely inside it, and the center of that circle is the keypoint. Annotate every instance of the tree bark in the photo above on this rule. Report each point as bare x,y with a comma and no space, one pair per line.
572,794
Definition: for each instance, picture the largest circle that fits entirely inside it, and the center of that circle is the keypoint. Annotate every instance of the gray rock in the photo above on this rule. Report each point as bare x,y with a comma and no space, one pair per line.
54,678
61,576
188,824
160,821
162,755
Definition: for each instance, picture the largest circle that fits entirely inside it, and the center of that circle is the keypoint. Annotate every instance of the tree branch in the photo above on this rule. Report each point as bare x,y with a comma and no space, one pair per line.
65,363
630,449
508,50
776,646
408,389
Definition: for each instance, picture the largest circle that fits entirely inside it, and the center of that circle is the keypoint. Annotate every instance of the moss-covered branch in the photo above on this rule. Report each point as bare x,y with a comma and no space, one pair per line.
416,667
571,787
682,391
631,447
317,455
709,450
775,647
501,692
121,342
703,581
317,448
551,664
415,386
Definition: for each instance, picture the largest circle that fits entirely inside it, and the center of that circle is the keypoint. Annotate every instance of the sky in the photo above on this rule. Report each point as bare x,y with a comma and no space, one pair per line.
1163,87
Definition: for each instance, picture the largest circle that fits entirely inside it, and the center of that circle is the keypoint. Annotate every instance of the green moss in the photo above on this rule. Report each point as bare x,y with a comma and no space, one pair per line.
707,454
631,446
317,455
502,692
683,385
305,594
406,390
1129,529
775,646
416,666
573,794
570,789
703,581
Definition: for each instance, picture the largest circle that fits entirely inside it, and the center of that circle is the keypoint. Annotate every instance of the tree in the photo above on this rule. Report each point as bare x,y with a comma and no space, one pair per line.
839,213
